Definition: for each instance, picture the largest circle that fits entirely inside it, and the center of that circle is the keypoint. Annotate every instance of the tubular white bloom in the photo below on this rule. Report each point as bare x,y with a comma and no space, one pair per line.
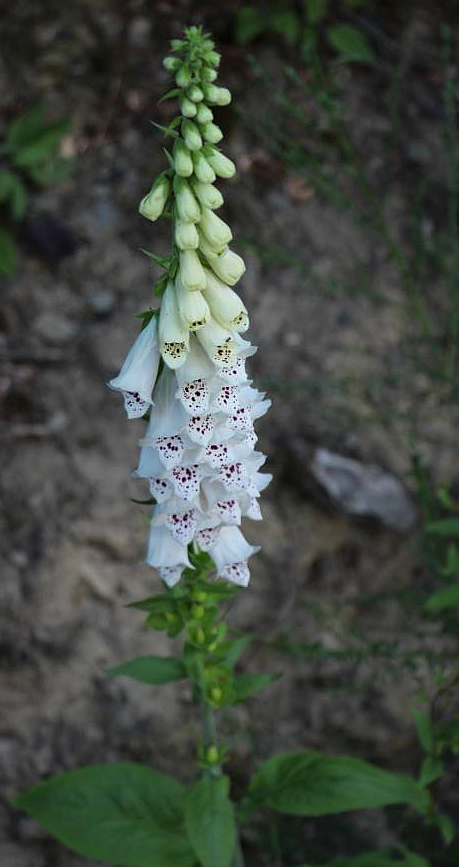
191,271
186,236
215,230
202,169
207,195
187,206
138,373
173,336
225,305
228,265
152,205
218,342
194,310
222,166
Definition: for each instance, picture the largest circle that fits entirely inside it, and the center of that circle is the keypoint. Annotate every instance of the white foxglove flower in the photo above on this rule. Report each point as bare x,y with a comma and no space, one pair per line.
225,305
138,373
215,230
191,272
194,310
174,337
218,342
152,205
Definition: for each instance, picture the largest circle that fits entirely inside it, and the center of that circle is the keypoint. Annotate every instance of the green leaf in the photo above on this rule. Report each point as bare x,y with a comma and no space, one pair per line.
445,527
315,10
209,820
164,261
53,170
313,784
377,859
424,729
43,145
350,43
25,128
151,669
122,814
287,24
447,597
176,91
431,770
446,827
235,648
13,191
245,685
8,254
248,24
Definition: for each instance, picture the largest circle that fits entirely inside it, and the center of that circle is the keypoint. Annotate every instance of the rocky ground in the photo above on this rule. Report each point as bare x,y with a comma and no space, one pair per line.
335,364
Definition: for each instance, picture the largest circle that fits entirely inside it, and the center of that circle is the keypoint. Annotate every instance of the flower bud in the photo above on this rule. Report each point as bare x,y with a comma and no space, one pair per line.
187,108
174,338
186,236
203,113
215,230
152,205
222,166
191,272
212,58
228,266
207,195
195,93
208,45
191,135
223,96
194,310
171,63
187,206
183,77
210,250
212,133
211,93
216,694
198,611
212,755
182,159
177,44
218,342
203,171
208,74
225,305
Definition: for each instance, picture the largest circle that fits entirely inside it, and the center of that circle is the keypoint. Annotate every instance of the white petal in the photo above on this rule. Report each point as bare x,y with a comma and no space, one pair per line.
182,526
218,342
174,338
233,477
229,511
163,550
150,465
170,450
235,374
194,396
138,373
168,416
227,398
171,574
254,511
231,548
207,538
160,489
200,428
237,573
186,481
197,366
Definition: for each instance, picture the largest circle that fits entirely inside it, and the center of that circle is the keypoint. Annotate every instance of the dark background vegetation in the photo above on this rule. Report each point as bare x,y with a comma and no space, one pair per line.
345,209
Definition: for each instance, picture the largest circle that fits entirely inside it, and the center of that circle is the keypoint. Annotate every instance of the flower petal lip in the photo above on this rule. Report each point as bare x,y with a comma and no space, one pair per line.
225,305
138,373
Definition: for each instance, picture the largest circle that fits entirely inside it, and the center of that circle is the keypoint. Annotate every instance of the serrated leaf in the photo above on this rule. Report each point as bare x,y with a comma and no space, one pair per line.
445,527
42,146
350,43
8,254
151,669
245,685
447,597
25,128
210,822
123,814
249,23
313,784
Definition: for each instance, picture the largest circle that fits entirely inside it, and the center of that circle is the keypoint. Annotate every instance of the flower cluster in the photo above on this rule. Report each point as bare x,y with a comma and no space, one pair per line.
198,452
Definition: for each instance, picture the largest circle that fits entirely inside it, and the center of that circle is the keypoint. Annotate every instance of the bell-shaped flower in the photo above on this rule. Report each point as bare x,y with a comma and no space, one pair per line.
194,310
211,133
207,195
183,163
137,376
202,169
222,166
191,272
187,206
164,550
215,230
152,205
218,342
225,305
173,335
191,135
204,113
231,548
186,235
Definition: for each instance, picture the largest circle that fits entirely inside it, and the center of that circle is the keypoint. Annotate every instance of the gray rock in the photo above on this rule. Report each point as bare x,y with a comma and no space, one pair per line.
364,490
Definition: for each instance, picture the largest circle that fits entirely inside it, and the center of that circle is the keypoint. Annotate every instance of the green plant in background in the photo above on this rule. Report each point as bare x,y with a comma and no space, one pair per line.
198,455
29,154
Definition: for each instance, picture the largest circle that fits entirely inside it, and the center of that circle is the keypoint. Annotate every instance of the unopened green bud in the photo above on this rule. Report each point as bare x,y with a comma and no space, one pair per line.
187,107
211,92
195,93
177,44
199,595
208,45
207,195
183,76
170,617
223,96
212,755
212,58
222,166
152,205
171,63
212,133
208,74
204,114
216,693
198,611
212,647
216,230
191,135
186,236
182,159
200,637
187,206
203,171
